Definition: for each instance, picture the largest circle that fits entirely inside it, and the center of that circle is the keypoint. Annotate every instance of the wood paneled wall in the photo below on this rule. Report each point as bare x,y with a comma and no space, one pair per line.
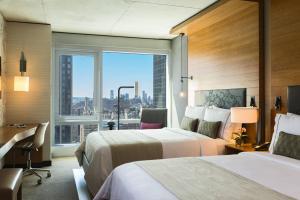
284,52
224,49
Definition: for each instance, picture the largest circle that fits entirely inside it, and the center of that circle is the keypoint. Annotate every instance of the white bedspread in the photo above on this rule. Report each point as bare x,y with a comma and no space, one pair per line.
175,142
279,173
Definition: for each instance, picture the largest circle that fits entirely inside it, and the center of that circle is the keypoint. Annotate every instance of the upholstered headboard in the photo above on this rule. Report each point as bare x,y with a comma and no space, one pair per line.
293,99
223,98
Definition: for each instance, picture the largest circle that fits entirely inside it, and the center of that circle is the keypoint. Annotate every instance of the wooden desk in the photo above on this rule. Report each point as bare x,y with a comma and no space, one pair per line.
11,135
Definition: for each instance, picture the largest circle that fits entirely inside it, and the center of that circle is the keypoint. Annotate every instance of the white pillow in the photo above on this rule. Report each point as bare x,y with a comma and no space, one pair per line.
195,112
287,123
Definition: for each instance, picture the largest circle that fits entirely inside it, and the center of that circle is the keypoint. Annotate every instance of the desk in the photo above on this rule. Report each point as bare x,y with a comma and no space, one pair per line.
11,135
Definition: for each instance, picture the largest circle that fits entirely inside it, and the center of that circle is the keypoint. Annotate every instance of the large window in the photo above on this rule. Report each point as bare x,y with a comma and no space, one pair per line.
86,91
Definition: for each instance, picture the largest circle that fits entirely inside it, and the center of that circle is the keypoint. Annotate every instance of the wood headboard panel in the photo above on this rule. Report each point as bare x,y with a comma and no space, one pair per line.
293,103
223,98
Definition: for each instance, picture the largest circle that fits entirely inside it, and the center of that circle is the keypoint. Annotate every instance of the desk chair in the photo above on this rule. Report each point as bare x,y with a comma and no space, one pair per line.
155,115
38,141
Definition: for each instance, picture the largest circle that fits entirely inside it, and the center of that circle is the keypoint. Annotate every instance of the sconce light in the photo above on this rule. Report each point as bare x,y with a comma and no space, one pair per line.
277,103
182,93
21,83
252,102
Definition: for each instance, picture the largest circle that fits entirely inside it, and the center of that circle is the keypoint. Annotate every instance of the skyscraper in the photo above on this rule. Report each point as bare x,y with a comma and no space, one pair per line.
144,96
159,81
136,89
112,96
63,133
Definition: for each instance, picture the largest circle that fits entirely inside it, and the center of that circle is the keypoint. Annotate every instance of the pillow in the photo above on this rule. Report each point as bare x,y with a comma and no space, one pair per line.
209,129
215,114
284,123
195,112
288,145
188,124
145,125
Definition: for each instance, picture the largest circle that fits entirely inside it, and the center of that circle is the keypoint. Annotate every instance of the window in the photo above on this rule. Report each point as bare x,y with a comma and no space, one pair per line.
145,72
76,114
86,90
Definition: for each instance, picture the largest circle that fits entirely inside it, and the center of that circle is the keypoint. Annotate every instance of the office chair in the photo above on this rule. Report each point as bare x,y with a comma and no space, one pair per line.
28,147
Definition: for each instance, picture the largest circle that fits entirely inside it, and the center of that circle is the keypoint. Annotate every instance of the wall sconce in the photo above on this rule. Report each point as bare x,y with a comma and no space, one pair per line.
252,102
21,83
277,104
182,93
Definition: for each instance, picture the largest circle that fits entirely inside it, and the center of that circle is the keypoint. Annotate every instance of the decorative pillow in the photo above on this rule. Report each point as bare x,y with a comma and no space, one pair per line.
188,124
288,145
209,129
226,129
284,123
195,112
145,125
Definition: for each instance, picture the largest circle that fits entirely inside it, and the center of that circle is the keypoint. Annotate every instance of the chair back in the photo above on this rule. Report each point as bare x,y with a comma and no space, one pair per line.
39,135
155,115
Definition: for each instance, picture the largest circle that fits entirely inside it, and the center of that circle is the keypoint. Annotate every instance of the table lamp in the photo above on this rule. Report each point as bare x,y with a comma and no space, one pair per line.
244,115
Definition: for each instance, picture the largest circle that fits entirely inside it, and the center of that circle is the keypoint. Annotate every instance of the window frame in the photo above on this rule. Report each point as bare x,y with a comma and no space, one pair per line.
98,84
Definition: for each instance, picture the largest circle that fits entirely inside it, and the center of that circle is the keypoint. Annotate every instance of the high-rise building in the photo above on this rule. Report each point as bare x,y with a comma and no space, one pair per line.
112,96
136,89
144,96
159,81
63,133
126,97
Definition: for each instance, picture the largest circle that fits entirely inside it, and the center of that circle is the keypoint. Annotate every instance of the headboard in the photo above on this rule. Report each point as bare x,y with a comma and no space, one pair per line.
293,103
223,98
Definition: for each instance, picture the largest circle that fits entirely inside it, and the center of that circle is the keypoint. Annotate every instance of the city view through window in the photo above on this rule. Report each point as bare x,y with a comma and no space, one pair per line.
146,72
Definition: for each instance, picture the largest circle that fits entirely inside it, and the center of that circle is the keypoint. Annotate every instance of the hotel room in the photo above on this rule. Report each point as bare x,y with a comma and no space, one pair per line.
148,99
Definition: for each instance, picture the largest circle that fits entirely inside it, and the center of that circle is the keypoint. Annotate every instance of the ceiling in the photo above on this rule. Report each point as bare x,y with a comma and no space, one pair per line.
131,18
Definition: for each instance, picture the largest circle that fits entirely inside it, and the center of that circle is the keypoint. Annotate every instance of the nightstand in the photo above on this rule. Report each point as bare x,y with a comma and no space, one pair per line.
235,149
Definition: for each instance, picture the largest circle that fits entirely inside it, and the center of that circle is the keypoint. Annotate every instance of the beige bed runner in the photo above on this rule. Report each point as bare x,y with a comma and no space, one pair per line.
132,146
205,181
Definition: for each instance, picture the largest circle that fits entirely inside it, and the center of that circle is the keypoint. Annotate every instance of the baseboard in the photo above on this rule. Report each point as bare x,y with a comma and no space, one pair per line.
45,163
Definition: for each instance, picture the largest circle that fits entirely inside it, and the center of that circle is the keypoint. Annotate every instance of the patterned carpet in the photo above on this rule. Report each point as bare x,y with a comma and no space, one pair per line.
60,186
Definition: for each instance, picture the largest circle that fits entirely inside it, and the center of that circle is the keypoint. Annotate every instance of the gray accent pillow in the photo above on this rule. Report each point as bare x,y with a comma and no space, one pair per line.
209,129
288,145
188,124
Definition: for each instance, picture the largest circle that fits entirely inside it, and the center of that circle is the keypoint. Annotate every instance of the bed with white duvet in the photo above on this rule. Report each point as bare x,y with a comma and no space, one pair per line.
95,154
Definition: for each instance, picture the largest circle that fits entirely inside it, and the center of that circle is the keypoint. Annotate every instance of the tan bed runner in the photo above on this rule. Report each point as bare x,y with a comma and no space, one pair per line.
193,178
132,146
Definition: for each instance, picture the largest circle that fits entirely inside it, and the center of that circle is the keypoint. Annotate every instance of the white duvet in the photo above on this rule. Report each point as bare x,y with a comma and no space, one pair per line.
278,173
175,142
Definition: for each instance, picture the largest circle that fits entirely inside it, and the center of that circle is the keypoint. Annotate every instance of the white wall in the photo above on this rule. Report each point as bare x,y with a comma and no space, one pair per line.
178,103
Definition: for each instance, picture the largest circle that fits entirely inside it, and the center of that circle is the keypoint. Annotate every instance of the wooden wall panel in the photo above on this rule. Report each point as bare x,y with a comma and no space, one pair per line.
285,51
224,49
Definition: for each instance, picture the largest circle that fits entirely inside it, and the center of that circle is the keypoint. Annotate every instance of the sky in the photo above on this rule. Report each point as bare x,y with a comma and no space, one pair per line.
119,69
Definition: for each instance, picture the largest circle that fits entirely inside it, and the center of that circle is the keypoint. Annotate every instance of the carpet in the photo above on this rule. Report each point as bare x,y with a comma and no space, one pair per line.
60,186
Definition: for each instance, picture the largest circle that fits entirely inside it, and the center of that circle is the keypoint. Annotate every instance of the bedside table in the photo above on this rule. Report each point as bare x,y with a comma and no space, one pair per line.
235,149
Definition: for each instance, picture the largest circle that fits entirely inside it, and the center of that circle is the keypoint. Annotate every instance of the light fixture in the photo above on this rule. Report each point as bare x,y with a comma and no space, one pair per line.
277,104
244,115
182,92
21,83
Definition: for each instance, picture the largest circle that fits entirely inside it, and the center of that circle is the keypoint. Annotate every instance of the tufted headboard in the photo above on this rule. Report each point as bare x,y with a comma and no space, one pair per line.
222,98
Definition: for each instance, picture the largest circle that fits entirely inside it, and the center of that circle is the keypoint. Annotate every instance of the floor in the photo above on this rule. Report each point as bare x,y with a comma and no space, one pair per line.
60,186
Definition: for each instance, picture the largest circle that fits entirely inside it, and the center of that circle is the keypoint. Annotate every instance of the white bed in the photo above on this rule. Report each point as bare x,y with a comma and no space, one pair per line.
275,172
175,143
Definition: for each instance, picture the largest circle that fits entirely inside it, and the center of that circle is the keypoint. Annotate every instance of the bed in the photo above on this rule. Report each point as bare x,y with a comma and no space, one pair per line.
279,177
103,151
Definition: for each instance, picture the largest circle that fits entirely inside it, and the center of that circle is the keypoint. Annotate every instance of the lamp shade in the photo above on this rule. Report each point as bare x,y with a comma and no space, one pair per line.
245,115
21,83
